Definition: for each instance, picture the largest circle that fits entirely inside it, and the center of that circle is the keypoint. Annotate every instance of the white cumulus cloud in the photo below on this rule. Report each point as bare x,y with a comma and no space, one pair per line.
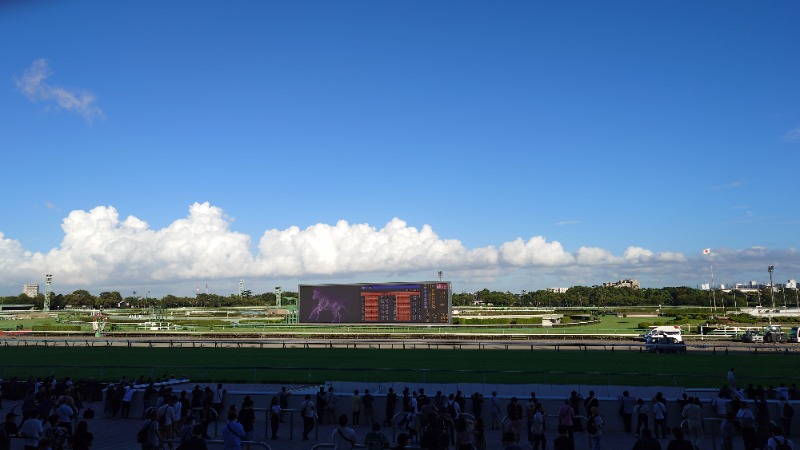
33,84
101,250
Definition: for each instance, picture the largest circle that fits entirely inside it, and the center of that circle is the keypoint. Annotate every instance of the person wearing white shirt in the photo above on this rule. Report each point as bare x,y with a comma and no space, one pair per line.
778,438
344,437
747,420
31,430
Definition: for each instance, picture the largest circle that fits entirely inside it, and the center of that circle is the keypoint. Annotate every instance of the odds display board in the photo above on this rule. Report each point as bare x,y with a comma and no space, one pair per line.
423,302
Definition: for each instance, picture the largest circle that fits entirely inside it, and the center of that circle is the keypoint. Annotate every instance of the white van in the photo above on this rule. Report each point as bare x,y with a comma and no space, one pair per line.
671,331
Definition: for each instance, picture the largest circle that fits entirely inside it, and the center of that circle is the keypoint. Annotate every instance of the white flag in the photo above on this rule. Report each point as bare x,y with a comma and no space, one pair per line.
706,251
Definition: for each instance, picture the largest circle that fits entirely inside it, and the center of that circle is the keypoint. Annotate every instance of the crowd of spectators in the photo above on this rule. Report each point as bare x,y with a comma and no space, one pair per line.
53,416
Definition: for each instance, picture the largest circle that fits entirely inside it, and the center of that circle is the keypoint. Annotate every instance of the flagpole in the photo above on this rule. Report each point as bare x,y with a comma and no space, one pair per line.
713,295
711,286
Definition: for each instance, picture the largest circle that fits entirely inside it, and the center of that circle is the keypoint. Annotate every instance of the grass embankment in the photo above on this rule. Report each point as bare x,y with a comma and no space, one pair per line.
694,369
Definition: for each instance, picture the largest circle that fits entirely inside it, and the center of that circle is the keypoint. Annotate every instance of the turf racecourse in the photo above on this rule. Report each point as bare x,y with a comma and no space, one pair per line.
317,365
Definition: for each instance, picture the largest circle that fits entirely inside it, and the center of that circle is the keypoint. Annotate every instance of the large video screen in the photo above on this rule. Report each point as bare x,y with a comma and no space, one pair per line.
424,302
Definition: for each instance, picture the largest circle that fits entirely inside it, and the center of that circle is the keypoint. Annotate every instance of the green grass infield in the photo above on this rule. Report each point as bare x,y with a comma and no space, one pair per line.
253,365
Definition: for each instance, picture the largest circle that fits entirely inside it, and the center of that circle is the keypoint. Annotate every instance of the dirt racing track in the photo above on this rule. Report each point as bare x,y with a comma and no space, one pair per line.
565,343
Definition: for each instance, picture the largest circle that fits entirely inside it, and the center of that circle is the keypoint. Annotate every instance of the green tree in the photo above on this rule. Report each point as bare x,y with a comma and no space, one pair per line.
80,298
109,299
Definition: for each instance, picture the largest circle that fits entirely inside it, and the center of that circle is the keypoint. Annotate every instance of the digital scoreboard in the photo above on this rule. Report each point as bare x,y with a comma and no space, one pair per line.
423,302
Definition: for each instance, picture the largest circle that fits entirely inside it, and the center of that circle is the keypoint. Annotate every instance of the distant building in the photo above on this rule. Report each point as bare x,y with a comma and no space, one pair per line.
633,284
754,286
31,289
557,290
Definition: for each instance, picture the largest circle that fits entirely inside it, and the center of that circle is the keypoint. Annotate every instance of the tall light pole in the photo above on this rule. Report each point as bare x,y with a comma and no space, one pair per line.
440,275
770,269
48,279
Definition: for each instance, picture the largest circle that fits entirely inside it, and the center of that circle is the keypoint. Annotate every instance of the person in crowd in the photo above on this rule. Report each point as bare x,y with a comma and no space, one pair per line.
375,439
54,434
778,441
195,441
514,415
562,441
509,441
642,413
10,426
626,405
330,405
477,404
275,416
787,414
283,401
320,407
575,401
678,442
218,398
747,422
566,418
660,416
646,441
82,438
464,433
355,403
367,404
344,437
186,430
537,428
32,431
151,432
594,427
479,430
127,398
247,417
693,414
402,442
308,413
233,433
720,404
494,408
726,431
391,406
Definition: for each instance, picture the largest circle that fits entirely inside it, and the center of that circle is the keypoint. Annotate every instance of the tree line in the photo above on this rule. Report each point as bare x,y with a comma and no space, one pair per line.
604,296
577,296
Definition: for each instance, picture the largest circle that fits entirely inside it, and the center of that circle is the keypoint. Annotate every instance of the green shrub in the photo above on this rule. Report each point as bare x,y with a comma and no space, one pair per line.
56,328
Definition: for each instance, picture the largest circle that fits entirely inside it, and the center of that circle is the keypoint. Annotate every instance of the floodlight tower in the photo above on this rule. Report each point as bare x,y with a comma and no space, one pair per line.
278,296
48,279
241,287
440,275
771,286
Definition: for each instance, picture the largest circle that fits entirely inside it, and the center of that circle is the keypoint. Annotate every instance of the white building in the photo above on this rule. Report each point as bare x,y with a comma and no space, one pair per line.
633,284
31,289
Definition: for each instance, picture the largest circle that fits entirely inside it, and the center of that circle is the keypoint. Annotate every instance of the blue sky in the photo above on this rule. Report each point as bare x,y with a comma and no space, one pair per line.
159,146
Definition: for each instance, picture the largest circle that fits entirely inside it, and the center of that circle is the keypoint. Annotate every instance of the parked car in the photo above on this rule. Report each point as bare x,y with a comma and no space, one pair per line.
753,337
794,336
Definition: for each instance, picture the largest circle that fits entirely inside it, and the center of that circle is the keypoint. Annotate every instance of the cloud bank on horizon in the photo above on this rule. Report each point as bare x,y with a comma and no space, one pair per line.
100,249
